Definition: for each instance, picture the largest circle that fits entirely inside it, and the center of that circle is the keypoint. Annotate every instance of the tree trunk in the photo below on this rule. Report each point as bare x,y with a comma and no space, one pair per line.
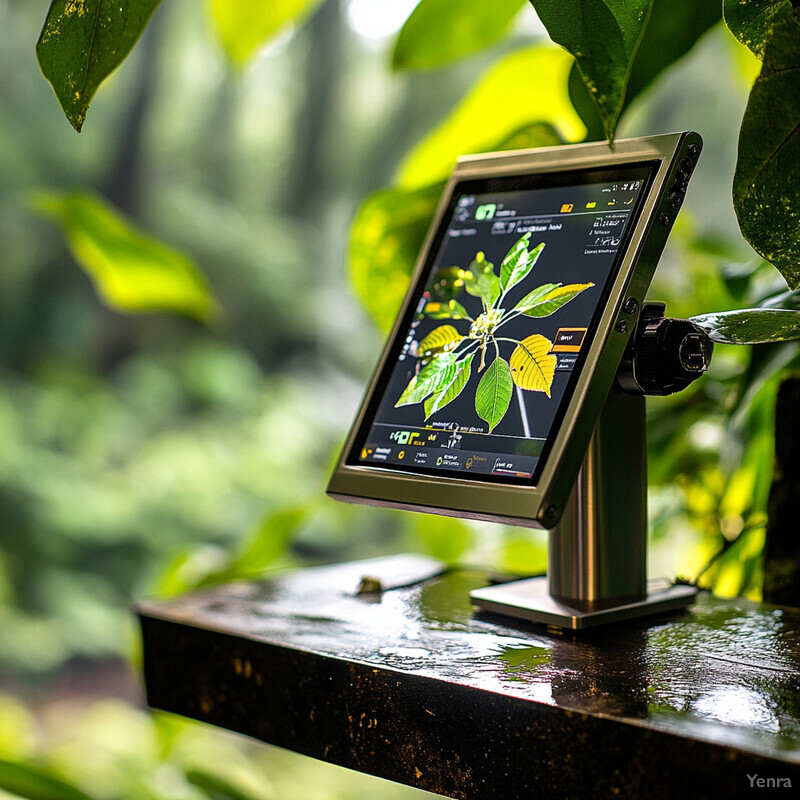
782,546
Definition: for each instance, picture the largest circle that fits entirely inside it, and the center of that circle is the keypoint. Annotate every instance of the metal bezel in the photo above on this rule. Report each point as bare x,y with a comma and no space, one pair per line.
539,505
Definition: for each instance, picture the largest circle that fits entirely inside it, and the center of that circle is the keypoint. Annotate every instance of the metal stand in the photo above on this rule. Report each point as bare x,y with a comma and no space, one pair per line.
598,551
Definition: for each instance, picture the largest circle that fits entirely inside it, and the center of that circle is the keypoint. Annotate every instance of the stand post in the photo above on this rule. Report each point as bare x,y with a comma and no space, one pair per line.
597,552
597,571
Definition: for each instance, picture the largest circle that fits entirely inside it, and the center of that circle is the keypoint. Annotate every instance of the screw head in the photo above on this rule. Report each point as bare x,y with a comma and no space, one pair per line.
622,326
631,306
551,512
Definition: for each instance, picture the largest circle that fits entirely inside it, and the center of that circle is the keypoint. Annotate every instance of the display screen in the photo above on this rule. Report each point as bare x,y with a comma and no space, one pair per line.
477,383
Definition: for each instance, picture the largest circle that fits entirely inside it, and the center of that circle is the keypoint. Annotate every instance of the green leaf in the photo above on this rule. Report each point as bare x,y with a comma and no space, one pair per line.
131,271
237,785
439,340
483,283
535,296
36,784
244,26
441,31
436,373
750,325
543,304
519,261
448,392
83,42
450,310
497,107
493,394
266,543
672,30
766,186
385,239
751,21
603,36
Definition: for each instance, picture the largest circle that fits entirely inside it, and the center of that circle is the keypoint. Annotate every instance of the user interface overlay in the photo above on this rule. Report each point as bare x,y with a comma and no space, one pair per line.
515,283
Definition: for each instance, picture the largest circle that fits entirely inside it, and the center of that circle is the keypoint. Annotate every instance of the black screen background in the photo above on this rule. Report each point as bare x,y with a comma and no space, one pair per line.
562,261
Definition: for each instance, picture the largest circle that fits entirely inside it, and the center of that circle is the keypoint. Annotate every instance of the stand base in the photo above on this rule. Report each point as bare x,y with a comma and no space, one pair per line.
531,600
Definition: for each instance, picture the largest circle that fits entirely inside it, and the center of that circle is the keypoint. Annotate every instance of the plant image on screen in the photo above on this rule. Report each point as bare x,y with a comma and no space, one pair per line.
447,356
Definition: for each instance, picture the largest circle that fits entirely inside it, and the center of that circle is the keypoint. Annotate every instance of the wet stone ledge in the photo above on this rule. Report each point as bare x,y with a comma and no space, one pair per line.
412,686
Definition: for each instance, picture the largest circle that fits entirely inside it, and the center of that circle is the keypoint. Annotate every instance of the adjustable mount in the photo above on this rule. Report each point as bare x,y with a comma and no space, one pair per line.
597,552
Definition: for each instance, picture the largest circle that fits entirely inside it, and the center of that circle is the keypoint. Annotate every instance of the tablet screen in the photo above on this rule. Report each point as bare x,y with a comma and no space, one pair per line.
513,285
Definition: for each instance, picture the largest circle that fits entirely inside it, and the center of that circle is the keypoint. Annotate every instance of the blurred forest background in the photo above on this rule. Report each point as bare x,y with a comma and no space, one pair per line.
148,453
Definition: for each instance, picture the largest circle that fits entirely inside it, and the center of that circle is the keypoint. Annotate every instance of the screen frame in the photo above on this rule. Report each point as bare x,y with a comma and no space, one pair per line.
538,505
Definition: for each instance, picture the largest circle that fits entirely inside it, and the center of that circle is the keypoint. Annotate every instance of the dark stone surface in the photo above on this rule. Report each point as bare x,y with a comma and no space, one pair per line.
411,686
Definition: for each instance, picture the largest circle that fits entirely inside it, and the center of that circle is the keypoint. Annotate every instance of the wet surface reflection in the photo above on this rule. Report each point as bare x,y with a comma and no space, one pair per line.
727,671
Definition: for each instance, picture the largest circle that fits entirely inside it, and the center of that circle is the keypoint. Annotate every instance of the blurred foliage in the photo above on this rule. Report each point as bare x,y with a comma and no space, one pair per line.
148,453
439,31
244,26
131,272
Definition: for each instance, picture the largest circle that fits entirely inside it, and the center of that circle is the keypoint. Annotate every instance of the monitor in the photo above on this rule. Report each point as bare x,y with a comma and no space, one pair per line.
521,307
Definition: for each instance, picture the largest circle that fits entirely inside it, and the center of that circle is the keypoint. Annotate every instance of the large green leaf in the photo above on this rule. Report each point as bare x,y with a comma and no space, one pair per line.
36,784
519,261
766,186
436,373
244,26
132,272
543,304
750,325
603,36
526,86
672,30
441,31
494,391
751,21
83,42
448,392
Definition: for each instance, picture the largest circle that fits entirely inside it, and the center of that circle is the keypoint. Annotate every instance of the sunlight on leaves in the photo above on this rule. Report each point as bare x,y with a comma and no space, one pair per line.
603,36
244,26
385,239
751,21
132,272
766,186
493,395
83,42
441,31
533,366
525,85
